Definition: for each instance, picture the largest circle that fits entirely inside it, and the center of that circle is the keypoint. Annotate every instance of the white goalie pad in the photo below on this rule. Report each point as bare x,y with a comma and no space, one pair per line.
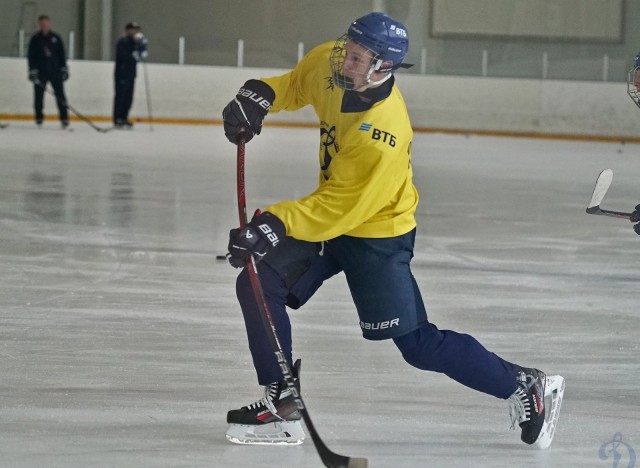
553,393
275,433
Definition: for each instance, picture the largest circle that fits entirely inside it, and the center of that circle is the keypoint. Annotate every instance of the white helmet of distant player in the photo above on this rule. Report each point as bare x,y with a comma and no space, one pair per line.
633,81
368,54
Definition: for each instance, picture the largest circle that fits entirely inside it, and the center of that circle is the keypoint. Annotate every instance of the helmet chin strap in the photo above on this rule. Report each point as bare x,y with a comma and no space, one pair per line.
375,66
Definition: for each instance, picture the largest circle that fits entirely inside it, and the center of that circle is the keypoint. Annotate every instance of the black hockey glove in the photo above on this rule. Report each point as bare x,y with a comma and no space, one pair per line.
33,75
248,109
64,73
635,218
262,234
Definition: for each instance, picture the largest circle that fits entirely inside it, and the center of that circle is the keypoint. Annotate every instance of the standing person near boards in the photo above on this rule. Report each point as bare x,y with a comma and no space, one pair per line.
130,49
48,63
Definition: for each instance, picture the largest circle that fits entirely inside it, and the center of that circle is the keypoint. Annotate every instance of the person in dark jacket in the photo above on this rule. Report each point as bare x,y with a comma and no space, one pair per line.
130,49
48,62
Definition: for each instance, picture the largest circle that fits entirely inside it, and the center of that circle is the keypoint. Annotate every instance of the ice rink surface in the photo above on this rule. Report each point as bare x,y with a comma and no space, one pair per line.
122,344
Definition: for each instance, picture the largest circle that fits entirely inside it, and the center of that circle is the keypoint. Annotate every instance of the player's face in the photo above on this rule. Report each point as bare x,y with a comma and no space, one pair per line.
357,63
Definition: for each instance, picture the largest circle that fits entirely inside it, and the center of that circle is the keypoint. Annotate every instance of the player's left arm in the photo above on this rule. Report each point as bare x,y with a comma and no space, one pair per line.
294,89
256,98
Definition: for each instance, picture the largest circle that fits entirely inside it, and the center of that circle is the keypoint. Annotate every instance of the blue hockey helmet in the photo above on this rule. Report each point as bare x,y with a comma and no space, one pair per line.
382,34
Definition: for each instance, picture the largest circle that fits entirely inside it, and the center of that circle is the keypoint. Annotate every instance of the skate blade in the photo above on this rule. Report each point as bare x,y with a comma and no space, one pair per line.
553,393
276,433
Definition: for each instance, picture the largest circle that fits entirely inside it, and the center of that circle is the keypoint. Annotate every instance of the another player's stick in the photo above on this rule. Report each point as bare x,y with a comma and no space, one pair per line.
602,185
329,458
72,109
147,92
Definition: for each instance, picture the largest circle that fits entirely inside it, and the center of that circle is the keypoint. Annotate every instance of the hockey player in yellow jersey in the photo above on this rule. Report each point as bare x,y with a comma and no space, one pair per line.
360,221
365,154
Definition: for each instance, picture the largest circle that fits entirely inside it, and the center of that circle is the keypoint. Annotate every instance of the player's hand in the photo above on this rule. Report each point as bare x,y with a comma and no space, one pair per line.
141,46
635,218
33,75
262,234
64,73
248,109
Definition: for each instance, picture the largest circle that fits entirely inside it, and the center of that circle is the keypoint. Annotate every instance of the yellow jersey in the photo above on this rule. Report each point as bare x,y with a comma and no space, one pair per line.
365,187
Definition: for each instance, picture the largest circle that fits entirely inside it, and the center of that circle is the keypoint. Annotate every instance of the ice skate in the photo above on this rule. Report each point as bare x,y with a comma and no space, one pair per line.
272,420
535,406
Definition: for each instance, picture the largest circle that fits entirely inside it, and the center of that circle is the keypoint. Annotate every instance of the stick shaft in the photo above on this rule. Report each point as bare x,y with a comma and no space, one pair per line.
329,458
147,91
70,107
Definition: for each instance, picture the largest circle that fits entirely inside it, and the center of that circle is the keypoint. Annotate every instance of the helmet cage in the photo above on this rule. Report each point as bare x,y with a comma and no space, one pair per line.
633,85
338,57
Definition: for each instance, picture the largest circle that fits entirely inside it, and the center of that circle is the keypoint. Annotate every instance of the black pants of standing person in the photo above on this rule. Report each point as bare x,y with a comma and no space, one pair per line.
58,90
123,100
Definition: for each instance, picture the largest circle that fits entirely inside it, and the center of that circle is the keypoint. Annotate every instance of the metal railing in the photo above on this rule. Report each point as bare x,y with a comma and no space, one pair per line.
485,67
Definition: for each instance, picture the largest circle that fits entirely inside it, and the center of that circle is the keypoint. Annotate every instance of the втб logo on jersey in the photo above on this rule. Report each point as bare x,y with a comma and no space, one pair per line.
378,134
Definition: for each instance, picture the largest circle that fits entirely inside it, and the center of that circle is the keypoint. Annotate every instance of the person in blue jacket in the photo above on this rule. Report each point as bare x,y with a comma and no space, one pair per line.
130,49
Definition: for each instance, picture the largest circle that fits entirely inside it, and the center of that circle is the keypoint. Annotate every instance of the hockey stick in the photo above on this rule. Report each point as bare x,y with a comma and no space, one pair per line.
599,191
147,91
72,109
329,458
